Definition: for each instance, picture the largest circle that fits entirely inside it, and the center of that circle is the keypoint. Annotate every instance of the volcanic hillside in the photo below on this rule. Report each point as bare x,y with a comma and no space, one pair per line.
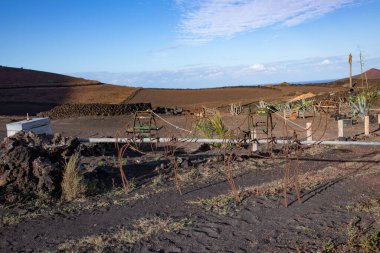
25,78
23,90
32,91
372,74
219,97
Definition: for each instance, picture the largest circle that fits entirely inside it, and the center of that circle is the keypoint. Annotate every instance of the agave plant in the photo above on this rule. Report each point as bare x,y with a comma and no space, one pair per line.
307,105
362,102
263,106
304,105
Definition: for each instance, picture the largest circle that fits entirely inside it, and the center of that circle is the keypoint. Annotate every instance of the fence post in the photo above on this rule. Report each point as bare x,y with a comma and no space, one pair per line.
253,140
340,128
309,131
366,125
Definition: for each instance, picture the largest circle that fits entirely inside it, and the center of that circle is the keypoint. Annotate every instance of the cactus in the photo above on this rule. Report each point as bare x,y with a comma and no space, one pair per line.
236,109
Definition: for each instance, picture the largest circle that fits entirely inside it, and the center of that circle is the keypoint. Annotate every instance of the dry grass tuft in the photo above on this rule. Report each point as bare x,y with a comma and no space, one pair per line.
72,187
369,205
16,218
142,229
308,180
219,204
358,240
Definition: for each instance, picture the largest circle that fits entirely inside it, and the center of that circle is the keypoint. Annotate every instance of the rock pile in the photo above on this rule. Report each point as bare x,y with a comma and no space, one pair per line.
77,110
168,110
32,165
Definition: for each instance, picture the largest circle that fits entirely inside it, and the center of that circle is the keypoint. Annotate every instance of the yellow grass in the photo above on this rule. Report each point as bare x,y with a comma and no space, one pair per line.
72,187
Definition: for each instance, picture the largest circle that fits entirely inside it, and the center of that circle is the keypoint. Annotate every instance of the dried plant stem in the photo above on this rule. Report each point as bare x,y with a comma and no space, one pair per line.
176,176
296,172
228,171
296,165
120,155
286,181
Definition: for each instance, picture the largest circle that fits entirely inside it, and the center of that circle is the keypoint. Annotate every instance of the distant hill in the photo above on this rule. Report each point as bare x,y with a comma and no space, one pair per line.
20,78
29,91
372,74
373,78
222,97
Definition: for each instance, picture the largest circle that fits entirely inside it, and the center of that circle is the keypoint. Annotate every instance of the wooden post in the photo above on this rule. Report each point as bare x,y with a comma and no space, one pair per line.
350,62
253,140
378,120
309,131
340,128
366,125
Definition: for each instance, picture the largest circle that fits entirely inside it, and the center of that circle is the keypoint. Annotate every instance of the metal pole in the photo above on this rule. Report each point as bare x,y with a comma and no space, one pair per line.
201,140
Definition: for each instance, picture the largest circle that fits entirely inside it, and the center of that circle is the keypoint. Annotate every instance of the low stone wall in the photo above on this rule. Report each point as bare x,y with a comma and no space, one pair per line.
76,110
33,164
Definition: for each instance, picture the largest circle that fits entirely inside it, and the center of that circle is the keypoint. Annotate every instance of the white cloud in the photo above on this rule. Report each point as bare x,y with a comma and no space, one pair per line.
326,62
204,20
201,76
257,67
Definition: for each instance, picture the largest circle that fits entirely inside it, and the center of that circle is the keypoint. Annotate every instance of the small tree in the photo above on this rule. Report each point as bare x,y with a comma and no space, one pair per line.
215,127
363,75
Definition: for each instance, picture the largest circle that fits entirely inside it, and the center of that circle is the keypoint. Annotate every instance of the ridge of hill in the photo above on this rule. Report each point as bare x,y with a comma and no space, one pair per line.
30,91
11,78
371,74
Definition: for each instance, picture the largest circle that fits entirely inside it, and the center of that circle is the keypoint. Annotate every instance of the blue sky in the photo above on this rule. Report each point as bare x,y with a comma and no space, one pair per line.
191,43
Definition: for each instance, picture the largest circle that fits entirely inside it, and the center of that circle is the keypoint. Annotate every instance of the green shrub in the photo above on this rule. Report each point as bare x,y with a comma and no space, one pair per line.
205,127
213,127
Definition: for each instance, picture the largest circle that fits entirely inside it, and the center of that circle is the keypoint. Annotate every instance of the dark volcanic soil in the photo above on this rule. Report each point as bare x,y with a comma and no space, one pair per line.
260,223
